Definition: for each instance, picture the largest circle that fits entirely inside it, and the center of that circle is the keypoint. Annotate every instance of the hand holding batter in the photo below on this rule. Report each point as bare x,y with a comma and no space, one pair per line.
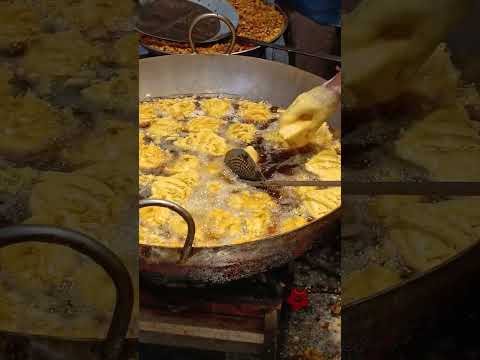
299,123
386,41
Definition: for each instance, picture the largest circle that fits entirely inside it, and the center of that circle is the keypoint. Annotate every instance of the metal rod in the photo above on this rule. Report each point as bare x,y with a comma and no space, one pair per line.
412,188
385,188
319,55
316,183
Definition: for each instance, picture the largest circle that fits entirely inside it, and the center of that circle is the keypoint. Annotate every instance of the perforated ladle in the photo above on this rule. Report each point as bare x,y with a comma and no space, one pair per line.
242,165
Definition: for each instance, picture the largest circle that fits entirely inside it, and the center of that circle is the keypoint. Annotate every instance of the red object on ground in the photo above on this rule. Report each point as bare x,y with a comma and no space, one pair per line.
298,299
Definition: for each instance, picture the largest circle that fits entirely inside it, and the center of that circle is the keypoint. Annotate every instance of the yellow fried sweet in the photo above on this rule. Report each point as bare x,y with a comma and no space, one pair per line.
204,141
244,133
256,113
146,113
146,180
445,143
292,223
164,128
87,280
154,216
215,168
119,176
111,140
31,125
216,107
72,201
258,224
163,227
251,200
426,234
147,237
200,123
152,157
214,187
184,163
326,165
178,109
419,250
368,281
176,188
35,265
222,224
191,178
117,94
61,57
319,202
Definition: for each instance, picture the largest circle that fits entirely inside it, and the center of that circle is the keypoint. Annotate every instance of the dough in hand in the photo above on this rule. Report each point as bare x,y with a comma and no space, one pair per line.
299,123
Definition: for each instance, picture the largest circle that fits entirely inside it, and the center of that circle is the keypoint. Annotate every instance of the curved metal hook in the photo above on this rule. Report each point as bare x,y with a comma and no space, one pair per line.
188,246
99,253
222,18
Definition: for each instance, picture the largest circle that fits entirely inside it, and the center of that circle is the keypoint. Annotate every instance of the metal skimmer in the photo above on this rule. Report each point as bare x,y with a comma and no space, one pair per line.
242,165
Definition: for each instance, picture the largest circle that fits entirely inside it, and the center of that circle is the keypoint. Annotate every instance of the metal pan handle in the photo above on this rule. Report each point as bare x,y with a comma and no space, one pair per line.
103,256
222,18
188,246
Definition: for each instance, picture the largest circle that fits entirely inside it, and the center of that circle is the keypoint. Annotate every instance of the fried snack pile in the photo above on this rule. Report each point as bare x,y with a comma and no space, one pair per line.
190,137
67,142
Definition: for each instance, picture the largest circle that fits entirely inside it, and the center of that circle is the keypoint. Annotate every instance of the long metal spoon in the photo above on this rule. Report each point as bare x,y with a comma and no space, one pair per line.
242,165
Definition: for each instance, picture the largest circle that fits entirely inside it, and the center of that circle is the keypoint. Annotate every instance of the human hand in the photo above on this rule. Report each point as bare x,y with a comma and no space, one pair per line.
299,123
386,41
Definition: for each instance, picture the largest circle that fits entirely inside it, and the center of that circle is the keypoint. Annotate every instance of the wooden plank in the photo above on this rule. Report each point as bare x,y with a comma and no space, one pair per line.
206,320
200,332
213,306
271,336
147,337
